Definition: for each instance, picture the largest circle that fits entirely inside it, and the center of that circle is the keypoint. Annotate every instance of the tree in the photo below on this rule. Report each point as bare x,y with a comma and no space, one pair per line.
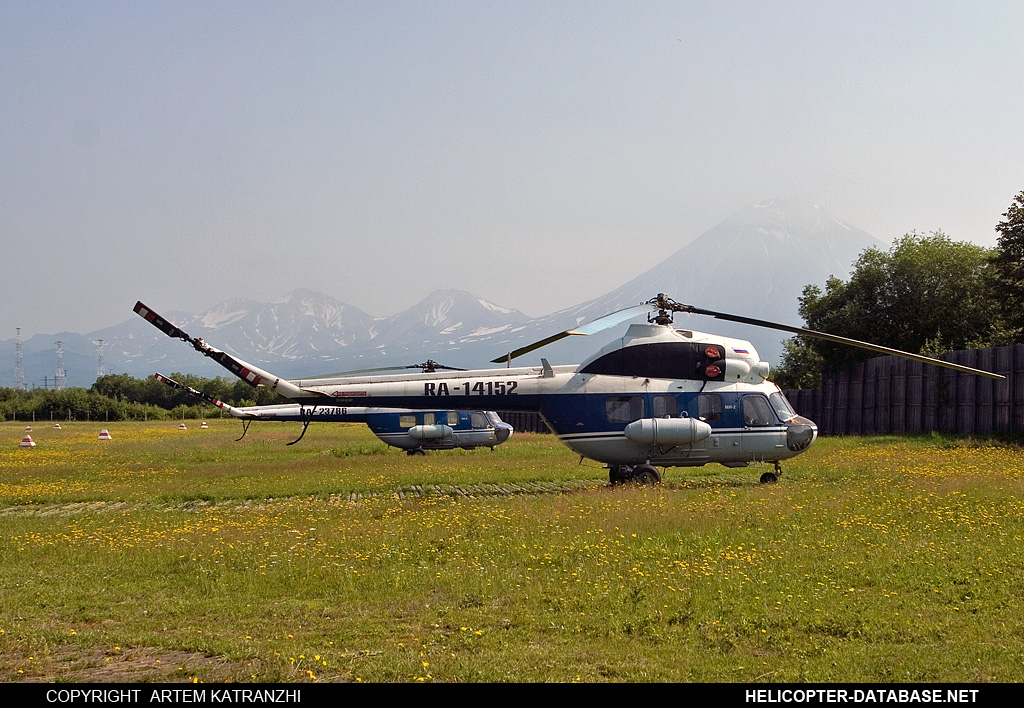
927,294
149,391
1008,264
801,366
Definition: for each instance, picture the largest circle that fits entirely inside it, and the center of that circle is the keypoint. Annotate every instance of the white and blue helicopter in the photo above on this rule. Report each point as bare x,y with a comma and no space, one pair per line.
657,397
415,431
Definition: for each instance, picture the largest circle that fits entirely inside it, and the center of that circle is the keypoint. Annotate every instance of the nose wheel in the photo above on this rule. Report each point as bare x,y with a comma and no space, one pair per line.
772,477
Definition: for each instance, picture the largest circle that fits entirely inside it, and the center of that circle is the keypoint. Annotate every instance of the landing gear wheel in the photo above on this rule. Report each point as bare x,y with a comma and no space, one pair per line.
416,451
769,478
646,475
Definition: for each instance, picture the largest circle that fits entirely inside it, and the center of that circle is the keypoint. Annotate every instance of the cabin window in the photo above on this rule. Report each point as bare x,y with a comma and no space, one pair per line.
709,406
624,409
429,419
756,411
665,407
406,421
478,420
453,418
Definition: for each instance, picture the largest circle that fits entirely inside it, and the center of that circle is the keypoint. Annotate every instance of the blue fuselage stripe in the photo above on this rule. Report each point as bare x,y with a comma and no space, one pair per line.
573,413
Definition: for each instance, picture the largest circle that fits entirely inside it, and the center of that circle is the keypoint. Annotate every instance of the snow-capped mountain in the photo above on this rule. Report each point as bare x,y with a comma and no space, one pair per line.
755,263
446,315
303,324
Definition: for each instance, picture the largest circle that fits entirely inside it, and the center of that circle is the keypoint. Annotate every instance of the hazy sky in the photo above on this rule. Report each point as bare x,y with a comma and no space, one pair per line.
537,154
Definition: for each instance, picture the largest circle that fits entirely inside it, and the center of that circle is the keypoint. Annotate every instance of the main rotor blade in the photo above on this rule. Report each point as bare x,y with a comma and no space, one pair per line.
592,327
252,375
422,367
223,358
839,340
339,374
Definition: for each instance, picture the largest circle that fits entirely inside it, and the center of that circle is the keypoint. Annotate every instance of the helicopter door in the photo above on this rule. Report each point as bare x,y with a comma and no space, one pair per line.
757,412
758,419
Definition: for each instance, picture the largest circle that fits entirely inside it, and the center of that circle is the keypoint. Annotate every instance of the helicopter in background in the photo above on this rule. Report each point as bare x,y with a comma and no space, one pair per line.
657,397
414,431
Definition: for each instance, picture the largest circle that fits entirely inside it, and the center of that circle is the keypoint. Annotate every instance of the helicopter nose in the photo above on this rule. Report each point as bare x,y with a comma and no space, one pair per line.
800,435
502,431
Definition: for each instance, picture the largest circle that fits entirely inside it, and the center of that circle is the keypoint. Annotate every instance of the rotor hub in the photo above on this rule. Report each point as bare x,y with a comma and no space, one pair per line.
666,307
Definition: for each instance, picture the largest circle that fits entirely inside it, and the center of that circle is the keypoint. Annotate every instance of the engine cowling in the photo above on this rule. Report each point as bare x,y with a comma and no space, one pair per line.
667,431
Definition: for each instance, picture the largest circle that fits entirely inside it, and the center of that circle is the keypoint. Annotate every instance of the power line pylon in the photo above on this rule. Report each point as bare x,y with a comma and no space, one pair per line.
60,380
19,364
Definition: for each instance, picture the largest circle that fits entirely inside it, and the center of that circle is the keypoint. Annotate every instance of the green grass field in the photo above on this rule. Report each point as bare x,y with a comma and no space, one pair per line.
168,555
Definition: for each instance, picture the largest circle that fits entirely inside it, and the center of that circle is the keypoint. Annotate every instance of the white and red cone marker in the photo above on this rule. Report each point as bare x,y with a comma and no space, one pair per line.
27,441
104,435
204,425
28,428
56,426
182,427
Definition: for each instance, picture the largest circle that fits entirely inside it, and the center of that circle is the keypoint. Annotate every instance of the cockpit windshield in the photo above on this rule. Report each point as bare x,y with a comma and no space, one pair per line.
782,407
